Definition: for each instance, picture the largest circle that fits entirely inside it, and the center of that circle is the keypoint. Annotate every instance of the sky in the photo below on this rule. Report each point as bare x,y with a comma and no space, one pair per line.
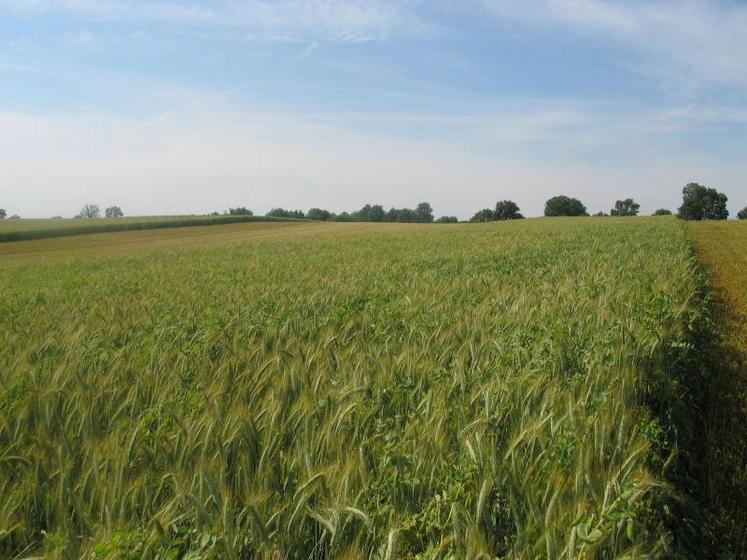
179,106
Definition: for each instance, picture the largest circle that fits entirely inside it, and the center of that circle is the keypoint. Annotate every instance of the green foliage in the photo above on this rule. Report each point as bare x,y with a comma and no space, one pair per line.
3,214
742,214
240,211
419,392
114,212
448,220
282,213
662,212
507,210
371,213
484,215
318,214
504,210
702,203
564,206
627,207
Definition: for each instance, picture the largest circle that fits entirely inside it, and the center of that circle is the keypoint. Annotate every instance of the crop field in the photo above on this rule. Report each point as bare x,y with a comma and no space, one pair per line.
346,391
19,230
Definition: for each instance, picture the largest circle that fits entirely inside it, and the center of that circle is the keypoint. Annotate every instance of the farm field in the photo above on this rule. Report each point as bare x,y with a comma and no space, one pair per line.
19,230
301,390
723,249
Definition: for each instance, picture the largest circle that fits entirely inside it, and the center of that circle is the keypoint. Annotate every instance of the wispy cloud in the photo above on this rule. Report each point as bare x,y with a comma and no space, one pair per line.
688,42
298,20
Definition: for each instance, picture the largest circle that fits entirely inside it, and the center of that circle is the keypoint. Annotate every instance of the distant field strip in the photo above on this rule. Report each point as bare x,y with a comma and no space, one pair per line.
20,230
347,391
723,248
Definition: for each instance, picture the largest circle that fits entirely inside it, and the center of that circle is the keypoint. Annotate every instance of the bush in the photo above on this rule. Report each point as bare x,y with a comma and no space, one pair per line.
662,212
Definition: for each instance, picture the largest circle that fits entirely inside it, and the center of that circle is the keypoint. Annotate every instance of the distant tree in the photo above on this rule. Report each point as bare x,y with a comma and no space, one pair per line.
484,215
424,213
742,214
447,220
3,214
15,217
702,203
564,206
114,212
90,212
240,211
601,214
627,207
507,210
318,214
402,215
282,213
343,217
370,213
662,212
57,217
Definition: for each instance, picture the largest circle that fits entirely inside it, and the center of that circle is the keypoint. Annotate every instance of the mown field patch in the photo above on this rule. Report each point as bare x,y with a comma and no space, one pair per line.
723,249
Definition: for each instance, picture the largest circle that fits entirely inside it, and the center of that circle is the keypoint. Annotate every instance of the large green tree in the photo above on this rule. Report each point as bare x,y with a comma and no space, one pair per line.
742,214
507,210
564,206
702,203
424,213
627,207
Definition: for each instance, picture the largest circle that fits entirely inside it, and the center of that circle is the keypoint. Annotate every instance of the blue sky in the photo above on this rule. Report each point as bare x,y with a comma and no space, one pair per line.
173,106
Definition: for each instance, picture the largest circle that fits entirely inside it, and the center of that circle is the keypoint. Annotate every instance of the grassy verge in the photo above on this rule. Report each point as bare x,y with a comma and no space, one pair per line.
22,230
722,248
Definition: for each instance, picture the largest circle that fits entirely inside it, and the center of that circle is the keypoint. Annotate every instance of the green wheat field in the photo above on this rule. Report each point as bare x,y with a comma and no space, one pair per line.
346,391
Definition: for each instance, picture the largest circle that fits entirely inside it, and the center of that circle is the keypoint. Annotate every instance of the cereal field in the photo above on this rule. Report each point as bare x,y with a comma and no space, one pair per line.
501,390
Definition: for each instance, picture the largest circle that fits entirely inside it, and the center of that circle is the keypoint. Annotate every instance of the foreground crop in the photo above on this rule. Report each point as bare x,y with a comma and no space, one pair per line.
392,392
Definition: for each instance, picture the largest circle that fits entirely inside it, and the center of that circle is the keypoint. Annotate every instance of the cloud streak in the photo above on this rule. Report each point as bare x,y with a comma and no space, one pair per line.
691,42
342,21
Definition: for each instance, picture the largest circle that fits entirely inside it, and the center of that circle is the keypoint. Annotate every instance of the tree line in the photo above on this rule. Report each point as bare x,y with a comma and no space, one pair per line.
421,214
698,203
